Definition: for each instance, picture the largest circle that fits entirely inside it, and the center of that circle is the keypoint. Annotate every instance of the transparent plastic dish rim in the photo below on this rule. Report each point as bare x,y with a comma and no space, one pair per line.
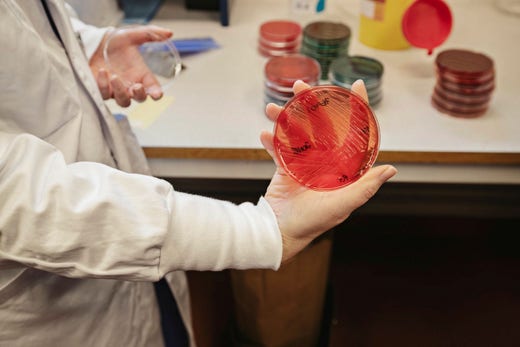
167,43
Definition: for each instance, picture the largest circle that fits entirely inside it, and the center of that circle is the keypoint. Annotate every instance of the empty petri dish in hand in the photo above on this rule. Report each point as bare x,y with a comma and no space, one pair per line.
326,137
124,54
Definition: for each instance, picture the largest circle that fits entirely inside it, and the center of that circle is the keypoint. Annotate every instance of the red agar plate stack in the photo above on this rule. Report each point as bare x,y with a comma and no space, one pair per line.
279,37
282,72
326,137
465,82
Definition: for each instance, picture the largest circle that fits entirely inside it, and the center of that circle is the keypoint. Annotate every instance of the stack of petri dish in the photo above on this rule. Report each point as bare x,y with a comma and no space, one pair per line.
281,73
344,71
325,41
279,37
465,83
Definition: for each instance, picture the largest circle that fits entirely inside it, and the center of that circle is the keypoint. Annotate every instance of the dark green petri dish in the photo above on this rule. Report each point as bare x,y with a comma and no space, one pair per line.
349,69
325,41
324,53
325,45
327,32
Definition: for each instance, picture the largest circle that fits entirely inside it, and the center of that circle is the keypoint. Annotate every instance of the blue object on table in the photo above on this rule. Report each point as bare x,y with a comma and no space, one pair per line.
140,11
183,46
191,46
320,6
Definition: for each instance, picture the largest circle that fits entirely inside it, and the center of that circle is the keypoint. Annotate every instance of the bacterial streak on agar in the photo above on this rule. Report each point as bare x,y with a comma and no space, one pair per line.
326,137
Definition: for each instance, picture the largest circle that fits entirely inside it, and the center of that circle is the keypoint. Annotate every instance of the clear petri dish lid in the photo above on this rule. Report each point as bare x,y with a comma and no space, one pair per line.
161,57
326,137
283,71
280,31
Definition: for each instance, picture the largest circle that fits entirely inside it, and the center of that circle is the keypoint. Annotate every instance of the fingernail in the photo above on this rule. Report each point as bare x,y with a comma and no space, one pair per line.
359,81
155,91
388,173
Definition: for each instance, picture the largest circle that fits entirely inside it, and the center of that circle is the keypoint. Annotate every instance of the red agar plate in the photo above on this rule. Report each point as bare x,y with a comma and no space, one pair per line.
280,31
326,137
285,70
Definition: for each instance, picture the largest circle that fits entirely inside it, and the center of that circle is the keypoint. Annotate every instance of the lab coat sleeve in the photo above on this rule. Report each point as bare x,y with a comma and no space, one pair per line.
89,35
89,220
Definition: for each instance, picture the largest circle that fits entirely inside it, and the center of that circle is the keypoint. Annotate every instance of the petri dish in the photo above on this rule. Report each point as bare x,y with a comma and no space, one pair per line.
268,100
272,94
161,57
350,69
371,88
465,79
283,71
274,90
276,52
327,33
457,109
280,31
474,99
464,64
326,137
344,71
325,41
324,45
479,89
279,45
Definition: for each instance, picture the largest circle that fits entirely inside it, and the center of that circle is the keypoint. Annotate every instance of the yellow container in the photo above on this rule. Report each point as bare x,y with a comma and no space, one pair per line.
380,23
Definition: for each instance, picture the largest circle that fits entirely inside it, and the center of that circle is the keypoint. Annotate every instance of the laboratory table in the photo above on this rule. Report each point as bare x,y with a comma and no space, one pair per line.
204,134
455,175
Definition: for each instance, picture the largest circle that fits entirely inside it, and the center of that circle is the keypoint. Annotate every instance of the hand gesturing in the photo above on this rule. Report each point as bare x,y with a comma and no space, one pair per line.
134,79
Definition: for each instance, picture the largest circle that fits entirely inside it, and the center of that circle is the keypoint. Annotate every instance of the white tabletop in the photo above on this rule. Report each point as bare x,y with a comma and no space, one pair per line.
217,101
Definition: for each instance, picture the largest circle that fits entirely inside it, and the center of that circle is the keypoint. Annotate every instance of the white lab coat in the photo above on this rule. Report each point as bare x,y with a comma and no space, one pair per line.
80,238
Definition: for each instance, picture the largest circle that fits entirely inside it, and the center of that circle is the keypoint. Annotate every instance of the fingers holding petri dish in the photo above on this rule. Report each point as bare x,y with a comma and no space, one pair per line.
153,63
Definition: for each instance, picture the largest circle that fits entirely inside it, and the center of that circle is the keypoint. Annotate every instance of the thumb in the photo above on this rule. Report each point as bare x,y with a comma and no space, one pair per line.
367,186
359,88
267,141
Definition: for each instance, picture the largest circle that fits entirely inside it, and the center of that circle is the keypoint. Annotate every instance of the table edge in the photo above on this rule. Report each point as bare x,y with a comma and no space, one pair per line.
426,157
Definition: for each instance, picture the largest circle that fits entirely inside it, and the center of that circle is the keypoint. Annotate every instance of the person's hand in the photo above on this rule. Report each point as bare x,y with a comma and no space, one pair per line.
302,213
124,51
